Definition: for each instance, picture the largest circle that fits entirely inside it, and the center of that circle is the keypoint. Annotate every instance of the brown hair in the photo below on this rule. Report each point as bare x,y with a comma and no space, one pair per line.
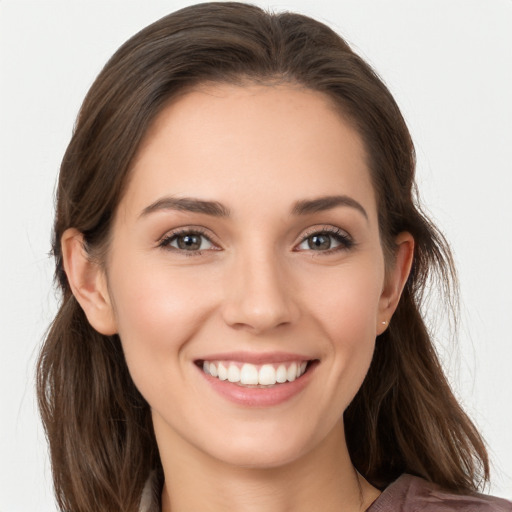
403,419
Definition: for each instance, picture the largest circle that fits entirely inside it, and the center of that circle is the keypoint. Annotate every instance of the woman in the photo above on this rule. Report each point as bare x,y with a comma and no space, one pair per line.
242,265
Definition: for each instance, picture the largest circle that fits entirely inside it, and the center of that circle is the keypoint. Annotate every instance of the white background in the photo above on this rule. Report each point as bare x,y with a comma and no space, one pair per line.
448,63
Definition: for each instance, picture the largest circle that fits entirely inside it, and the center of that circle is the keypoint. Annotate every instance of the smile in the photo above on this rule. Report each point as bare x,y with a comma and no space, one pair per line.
247,374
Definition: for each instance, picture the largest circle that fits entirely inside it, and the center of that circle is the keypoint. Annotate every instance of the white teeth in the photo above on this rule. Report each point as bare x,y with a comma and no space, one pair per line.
222,371
233,373
267,375
281,373
291,374
251,375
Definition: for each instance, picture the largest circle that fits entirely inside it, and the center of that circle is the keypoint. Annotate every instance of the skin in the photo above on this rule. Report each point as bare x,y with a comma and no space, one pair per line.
257,285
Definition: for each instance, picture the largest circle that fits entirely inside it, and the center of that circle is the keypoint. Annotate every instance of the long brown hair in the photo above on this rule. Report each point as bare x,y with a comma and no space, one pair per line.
403,419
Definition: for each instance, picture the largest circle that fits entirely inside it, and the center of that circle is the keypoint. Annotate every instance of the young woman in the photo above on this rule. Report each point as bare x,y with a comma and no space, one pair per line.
242,264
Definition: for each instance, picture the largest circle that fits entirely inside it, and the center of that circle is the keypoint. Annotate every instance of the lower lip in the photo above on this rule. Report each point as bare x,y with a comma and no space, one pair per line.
259,397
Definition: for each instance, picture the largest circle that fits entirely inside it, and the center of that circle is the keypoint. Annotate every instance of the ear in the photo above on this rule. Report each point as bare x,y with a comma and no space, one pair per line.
88,282
395,279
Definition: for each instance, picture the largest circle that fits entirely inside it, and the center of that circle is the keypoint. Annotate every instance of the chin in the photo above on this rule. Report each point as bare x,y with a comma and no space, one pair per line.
264,455
265,445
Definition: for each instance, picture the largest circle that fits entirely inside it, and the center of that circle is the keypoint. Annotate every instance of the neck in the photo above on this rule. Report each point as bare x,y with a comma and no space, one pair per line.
323,479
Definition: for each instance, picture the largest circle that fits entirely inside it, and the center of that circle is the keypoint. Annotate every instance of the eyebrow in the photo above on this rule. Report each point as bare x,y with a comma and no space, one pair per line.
216,209
324,203
187,204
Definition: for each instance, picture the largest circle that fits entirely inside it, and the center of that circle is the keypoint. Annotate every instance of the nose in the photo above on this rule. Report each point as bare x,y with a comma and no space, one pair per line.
259,294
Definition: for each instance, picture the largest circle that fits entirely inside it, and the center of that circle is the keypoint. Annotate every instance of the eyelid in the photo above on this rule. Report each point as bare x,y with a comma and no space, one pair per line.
323,228
345,239
164,240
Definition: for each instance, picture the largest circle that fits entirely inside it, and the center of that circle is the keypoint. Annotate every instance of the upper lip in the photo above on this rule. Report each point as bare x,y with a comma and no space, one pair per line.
256,357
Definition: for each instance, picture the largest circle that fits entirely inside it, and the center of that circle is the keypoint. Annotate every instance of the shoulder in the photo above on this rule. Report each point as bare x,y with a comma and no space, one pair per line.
412,494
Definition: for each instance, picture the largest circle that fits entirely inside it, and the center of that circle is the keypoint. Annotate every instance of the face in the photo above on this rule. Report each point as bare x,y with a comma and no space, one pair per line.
246,273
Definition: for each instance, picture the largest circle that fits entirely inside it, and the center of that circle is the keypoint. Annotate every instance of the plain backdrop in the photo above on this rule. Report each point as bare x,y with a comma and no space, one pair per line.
448,63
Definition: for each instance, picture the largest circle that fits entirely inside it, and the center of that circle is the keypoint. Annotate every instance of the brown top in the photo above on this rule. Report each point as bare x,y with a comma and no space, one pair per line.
407,494
412,494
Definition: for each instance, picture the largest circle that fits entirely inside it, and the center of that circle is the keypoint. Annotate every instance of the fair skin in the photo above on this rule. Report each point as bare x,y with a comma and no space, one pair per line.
285,268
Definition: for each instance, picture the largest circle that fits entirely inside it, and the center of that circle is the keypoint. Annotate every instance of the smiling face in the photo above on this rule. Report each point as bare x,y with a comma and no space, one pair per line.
246,248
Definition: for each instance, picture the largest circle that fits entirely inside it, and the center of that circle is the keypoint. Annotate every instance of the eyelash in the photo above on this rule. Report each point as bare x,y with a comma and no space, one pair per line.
165,242
341,237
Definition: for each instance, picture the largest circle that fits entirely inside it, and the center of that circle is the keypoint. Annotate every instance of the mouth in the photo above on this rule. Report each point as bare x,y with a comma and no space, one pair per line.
250,375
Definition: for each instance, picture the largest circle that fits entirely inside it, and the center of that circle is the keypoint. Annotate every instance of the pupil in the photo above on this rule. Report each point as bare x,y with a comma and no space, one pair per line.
189,242
319,242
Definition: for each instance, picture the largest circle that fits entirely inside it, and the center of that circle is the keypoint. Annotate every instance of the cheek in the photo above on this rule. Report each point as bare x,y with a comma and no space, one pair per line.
157,312
347,312
346,300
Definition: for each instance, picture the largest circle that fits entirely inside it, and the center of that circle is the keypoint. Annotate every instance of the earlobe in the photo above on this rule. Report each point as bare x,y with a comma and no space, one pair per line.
395,280
88,283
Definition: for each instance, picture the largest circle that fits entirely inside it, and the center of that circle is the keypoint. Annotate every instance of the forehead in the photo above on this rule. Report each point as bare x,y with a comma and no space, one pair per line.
240,144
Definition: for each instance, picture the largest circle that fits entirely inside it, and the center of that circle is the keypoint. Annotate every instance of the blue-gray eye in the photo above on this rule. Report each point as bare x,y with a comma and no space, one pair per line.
320,242
324,241
189,242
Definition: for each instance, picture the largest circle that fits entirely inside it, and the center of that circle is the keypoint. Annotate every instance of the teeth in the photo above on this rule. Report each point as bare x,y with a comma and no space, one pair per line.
249,374
233,373
222,371
281,373
267,375
291,374
252,375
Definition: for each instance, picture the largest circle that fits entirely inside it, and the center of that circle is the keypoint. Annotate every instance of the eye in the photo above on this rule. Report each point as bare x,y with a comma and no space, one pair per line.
326,240
189,241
